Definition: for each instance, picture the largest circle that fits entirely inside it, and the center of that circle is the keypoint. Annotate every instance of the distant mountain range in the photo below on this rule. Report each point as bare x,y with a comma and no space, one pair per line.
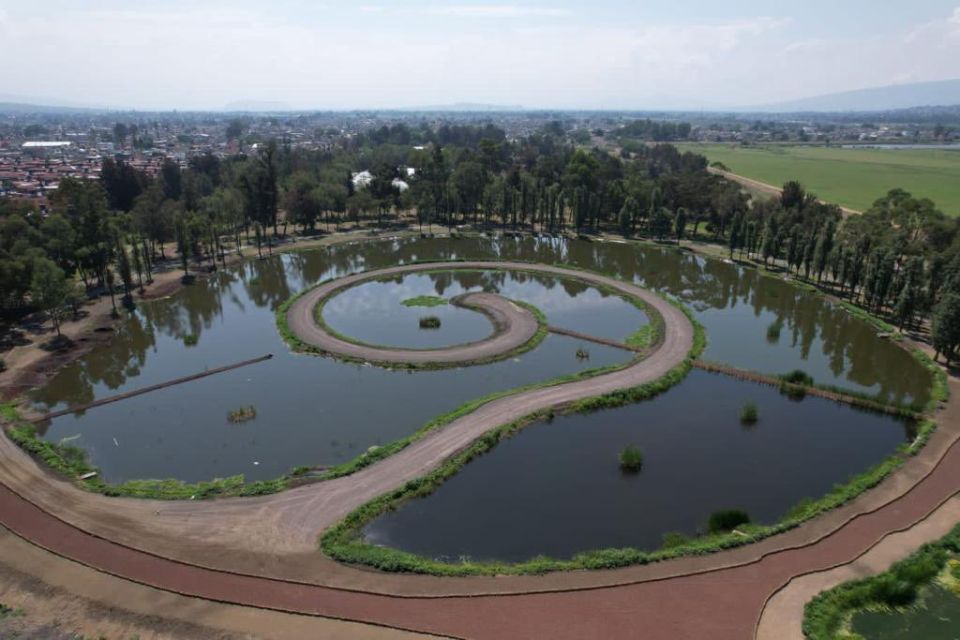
944,93
898,96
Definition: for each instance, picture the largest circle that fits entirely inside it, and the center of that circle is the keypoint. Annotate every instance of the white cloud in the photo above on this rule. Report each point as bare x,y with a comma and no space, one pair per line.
205,57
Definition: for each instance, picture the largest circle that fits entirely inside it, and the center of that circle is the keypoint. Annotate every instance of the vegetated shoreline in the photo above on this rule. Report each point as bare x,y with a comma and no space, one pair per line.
71,461
828,612
297,344
344,541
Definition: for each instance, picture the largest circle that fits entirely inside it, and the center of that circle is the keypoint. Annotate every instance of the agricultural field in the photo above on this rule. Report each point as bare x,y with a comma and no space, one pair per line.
852,178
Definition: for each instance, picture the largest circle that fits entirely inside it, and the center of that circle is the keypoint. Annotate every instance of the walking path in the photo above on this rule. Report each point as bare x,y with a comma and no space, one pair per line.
514,326
261,552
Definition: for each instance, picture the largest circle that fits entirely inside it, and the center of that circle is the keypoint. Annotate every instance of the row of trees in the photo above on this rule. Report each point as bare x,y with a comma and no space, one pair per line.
900,259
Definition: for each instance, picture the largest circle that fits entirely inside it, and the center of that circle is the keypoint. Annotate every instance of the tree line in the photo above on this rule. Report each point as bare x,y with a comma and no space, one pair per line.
899,259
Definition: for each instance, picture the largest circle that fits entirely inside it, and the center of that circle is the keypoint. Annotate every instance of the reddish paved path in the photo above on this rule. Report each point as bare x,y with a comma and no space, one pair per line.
719,605
722,603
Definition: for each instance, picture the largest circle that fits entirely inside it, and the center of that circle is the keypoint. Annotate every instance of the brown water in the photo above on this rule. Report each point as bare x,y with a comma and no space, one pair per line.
320,411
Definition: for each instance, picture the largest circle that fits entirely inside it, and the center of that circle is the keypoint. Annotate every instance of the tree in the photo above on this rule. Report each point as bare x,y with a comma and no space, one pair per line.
49,289
680,223
945,331
660,223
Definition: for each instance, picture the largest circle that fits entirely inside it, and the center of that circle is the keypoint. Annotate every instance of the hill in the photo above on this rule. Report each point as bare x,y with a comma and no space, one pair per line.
899,96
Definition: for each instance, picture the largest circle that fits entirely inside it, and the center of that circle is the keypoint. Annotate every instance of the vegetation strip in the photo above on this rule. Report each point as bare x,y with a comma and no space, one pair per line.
153,387
344,541
826,615
511,326
830,393
72,462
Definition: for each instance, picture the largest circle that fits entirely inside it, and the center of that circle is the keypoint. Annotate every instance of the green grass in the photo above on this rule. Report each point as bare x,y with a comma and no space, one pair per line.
631,459
424,301
826,615
853,178
644,337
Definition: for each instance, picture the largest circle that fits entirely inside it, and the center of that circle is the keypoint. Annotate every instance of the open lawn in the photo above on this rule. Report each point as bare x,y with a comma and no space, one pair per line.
852,178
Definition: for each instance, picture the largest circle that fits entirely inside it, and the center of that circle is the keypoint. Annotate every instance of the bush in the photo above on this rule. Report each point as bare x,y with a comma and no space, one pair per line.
727,520
190,340
430,322
3,365
749,414
631,459
798,376
583,354
674,539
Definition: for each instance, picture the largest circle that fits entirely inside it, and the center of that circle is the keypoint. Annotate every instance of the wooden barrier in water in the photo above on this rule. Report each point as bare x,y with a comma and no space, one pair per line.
153,387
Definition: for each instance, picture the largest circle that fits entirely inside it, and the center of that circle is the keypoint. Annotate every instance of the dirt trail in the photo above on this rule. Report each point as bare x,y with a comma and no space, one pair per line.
275,536
514,326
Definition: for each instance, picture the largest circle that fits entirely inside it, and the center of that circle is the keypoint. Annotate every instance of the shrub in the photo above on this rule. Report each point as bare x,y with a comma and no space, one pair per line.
582,354
674,539
749,414
430,322
727,520
631,459
798,376
190,340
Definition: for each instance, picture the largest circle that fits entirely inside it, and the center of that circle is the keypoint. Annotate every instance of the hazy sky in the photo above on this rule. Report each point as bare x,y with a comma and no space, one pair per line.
535,53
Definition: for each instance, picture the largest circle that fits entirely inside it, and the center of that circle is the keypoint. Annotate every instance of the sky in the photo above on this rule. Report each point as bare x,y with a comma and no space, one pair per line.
605,54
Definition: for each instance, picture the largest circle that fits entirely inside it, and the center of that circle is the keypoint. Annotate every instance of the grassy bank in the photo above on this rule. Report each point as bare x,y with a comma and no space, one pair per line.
344,540
827,615
72,462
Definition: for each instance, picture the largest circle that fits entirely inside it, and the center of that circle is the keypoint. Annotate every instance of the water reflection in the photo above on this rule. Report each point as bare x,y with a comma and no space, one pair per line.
305,403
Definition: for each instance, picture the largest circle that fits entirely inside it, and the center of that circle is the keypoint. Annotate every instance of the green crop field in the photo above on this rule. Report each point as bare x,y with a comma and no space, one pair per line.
853,178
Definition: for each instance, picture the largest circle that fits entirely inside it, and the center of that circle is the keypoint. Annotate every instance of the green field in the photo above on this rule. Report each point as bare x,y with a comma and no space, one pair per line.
852,178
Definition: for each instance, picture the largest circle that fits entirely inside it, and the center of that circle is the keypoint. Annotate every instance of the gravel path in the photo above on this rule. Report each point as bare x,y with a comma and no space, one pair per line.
719,596
276,535
514,326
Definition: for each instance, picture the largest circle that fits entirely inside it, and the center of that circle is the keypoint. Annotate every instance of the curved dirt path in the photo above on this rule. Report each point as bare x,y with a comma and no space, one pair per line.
729,589
514,326
276,535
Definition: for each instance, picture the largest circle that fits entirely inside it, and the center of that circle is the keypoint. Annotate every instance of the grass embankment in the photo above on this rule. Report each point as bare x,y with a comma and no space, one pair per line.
297,344
829,613
344,541
424,301
850,177
72,461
